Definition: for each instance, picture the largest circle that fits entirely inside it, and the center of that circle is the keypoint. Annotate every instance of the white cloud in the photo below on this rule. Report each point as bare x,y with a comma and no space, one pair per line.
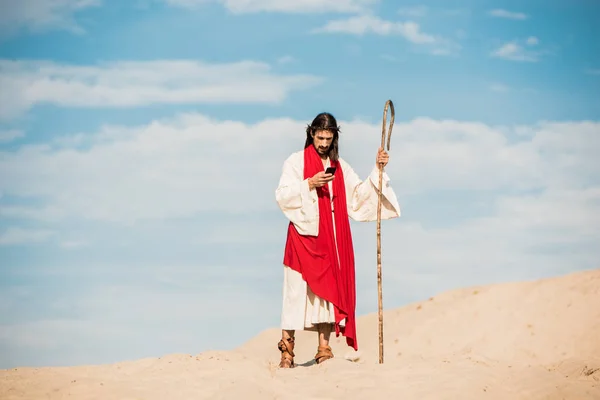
517,50
17,236
360,25
42,15
425,11
411,31
544,221
72,244
512,51
47,213
525,237
172,168
285,59
10,135
166,169
500,13
284,6
414,11
127,84
188,3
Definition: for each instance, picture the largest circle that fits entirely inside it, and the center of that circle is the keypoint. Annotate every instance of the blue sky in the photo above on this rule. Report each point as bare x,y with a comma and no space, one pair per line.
141,143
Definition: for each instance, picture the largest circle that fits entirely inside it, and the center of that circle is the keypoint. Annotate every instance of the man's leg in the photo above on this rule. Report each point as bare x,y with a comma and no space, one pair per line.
324,334
286,333
324,350
286,346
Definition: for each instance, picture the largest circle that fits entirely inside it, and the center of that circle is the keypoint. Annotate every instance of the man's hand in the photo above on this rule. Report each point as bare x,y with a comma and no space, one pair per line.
319,179
382,157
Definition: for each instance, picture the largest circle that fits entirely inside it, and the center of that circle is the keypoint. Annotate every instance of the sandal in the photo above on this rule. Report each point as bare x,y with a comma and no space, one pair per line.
323,353
286,346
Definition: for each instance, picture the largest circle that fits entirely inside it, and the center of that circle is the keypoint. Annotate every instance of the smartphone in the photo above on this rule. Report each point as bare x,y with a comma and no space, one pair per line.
330,170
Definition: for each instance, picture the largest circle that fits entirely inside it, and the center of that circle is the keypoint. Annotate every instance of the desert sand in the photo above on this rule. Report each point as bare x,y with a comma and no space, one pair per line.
523,340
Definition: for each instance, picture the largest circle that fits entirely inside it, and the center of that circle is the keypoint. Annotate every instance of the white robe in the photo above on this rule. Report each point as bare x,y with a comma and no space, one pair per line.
301,308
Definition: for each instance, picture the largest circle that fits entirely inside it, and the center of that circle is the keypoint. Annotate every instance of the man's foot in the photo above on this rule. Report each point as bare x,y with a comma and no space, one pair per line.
323,353
286,346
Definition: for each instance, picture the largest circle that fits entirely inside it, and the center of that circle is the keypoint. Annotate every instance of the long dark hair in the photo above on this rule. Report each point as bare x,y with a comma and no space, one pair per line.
324,121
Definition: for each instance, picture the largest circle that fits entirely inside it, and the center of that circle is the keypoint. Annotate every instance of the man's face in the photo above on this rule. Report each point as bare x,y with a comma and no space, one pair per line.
322,140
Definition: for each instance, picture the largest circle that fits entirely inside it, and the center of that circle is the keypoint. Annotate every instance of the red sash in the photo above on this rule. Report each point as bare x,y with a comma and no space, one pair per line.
316,259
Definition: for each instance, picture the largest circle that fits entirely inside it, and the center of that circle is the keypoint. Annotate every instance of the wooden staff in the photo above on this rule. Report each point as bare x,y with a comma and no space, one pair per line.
380,297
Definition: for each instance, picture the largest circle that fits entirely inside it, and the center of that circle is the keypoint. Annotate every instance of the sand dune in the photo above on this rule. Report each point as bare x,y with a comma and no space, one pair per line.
525,340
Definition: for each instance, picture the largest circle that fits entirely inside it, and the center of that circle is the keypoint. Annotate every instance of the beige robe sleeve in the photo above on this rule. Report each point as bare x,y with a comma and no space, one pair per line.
362,196
297,202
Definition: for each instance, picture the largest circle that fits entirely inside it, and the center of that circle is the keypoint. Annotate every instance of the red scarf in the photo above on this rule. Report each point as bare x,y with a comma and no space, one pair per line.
315,258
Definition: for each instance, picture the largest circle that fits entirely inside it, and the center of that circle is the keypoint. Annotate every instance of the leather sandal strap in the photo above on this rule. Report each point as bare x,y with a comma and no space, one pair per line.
323,352
286,345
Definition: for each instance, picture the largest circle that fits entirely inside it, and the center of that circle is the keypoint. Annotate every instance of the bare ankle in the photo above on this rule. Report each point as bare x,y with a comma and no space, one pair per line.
287,334
324,334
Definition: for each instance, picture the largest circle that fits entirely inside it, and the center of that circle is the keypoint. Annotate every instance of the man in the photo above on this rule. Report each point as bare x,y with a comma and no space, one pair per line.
319,292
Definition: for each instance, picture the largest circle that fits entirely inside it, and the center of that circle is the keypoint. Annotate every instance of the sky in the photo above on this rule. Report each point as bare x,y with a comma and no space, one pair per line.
141,143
